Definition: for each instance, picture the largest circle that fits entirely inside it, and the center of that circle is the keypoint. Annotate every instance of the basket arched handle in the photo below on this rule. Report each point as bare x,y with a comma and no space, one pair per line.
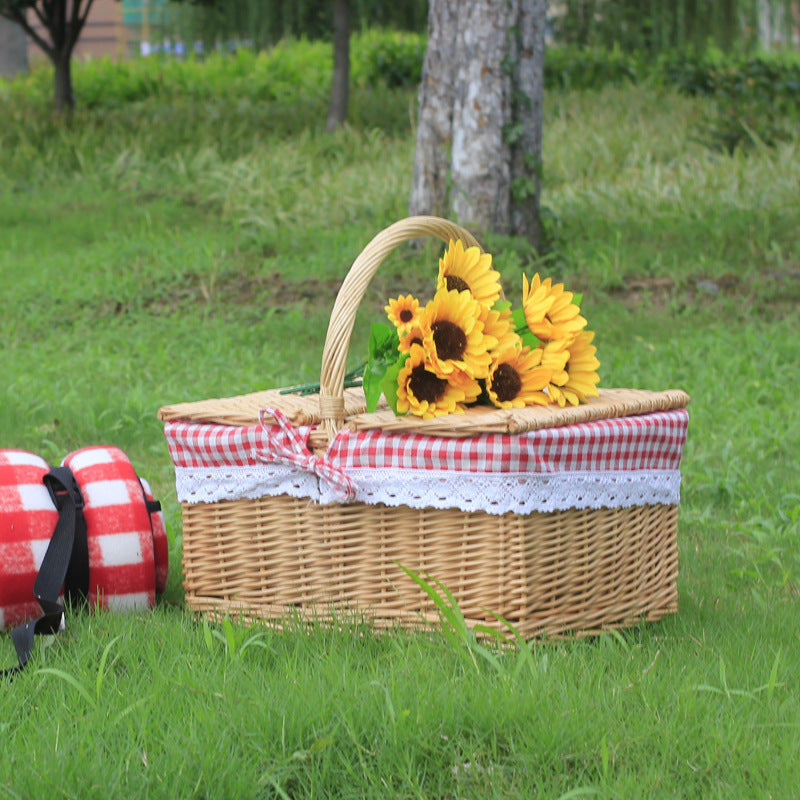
348,300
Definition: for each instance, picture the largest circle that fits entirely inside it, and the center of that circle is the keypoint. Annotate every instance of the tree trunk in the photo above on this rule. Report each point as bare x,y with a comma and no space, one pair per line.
526,52
435,120
479,132
63,97
337,112
13,49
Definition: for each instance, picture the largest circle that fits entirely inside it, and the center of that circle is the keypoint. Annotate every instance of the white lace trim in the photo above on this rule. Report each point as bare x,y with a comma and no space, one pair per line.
522,493
212,484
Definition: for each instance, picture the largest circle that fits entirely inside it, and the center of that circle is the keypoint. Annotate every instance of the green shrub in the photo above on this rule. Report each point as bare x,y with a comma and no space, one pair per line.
751,98
745,111
286,70
389,58
291,68
567,68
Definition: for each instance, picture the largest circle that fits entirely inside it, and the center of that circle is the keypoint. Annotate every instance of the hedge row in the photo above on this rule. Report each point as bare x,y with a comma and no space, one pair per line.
394,59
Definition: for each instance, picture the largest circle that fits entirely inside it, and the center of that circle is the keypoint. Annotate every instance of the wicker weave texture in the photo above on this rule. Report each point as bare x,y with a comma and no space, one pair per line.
578,571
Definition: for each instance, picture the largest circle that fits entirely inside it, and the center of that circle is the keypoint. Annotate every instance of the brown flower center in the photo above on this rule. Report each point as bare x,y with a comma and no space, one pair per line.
450,340
406,315
426,386
454,282
506,382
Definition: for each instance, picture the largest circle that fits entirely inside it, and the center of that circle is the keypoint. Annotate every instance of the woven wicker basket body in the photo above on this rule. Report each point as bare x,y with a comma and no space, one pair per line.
577,571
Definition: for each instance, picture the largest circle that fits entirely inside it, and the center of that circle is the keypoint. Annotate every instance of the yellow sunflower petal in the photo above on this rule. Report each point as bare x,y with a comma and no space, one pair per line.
499,325
581,368
536,301
469,270
549,310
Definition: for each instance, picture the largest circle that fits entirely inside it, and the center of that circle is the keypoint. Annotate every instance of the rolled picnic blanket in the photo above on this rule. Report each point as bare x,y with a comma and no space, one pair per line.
86,530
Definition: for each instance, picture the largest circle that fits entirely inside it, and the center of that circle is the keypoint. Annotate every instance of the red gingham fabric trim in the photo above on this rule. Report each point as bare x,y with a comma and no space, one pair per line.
200,445
647,442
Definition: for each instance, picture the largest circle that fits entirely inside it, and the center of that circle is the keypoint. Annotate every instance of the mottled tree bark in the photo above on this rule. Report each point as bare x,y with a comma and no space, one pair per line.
435,120
13,49
479,132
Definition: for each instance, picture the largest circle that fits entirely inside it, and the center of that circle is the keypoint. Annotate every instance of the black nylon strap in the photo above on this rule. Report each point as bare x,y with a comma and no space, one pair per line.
65,563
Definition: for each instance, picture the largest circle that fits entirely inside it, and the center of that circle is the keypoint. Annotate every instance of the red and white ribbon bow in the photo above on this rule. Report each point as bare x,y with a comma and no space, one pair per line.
290,448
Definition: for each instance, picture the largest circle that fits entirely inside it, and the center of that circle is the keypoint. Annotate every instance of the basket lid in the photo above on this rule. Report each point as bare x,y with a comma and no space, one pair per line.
244,409
305,410
610,403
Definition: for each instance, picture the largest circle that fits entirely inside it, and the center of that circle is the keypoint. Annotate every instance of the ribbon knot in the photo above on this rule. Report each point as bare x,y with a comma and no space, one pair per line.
289,447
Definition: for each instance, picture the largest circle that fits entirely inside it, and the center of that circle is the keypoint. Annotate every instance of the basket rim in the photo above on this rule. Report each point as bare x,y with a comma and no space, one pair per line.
244,410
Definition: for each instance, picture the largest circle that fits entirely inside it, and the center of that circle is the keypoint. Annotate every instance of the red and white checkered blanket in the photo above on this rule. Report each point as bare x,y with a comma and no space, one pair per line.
613,462
128,550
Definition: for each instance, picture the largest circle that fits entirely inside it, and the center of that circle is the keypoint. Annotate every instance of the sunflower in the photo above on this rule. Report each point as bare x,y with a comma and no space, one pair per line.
549,310
454,338
469,270
403,312
411,335
500,326
422,392
581,369
517,378
554,357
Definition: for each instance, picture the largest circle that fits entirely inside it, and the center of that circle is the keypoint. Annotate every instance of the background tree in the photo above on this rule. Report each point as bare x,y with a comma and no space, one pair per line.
63,21
263,23
13,49
340,86
653,26
479,133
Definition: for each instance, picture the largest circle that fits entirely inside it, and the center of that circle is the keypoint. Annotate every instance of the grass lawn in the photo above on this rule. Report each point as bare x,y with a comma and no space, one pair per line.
141,267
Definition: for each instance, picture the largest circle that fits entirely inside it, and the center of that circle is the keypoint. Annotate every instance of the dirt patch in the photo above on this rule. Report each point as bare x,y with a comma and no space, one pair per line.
777,288
773,291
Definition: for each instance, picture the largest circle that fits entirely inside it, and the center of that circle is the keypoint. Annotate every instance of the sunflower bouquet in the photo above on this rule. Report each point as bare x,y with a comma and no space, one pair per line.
468,346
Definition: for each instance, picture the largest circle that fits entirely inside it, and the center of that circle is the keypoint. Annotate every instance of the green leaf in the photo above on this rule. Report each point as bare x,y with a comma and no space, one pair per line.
513,132
383,342
72,681
388,384
101,669
456,629
529,339
230,636
207,637
577,298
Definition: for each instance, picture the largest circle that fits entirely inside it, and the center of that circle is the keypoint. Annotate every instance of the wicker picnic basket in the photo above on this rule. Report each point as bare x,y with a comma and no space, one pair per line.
287,550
